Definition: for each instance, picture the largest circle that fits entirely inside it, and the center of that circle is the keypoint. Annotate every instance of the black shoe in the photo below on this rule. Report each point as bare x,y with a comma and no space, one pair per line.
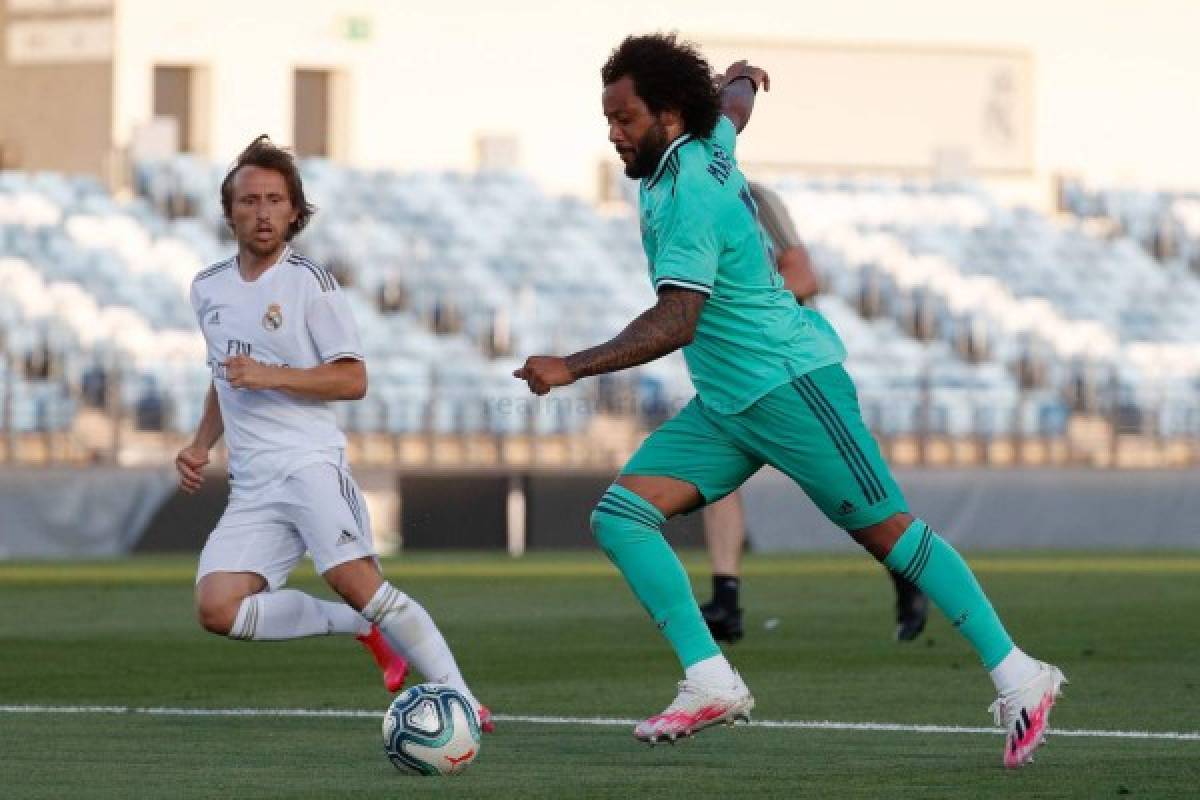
912,609
725,625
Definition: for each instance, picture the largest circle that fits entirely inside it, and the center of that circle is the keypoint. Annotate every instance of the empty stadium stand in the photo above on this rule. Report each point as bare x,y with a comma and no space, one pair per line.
963,318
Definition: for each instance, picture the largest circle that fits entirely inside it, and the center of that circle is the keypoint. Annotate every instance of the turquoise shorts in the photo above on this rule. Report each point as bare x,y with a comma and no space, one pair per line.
810,429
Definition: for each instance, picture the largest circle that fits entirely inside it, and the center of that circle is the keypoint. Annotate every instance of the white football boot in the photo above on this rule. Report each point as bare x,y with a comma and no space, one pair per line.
1024,713
695,708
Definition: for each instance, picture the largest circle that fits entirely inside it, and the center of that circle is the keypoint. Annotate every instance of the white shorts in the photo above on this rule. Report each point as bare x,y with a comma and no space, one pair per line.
317,509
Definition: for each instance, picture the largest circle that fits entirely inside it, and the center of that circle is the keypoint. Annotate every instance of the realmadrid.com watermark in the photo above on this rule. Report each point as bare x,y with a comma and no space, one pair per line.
621,404
627,404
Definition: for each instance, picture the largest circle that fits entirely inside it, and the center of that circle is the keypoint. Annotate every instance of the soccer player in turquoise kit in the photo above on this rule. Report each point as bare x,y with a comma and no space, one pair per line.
770,387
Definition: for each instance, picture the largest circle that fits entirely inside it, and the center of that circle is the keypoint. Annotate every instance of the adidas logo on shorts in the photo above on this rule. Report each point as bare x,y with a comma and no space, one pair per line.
346,538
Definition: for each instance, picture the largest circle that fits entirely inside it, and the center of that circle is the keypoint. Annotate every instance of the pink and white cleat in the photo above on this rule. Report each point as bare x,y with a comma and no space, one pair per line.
485,719
1025,714
391,663
695,708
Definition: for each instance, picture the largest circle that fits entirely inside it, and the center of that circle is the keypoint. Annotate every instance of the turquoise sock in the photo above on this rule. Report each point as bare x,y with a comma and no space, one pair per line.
629,529
927,560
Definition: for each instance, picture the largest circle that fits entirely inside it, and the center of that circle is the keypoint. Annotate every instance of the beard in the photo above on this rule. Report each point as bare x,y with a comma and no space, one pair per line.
647,153
262,249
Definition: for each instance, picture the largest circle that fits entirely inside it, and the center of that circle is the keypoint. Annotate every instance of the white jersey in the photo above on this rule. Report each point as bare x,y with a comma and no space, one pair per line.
294,315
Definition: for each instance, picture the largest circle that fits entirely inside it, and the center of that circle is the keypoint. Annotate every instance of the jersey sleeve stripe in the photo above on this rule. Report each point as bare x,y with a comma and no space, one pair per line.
214,269
328,277
346,354
682,283
324,278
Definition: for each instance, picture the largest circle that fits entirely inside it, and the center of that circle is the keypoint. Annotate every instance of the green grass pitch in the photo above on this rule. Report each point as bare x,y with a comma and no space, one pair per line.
560,635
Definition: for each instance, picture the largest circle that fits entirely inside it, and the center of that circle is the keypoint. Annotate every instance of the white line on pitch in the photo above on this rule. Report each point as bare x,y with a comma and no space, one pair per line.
825,725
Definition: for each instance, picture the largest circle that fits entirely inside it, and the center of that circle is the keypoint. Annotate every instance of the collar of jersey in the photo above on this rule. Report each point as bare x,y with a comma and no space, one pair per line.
679,142
287,251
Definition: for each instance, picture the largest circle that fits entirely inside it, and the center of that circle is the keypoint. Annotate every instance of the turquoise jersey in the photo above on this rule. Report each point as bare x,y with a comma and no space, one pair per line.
700,232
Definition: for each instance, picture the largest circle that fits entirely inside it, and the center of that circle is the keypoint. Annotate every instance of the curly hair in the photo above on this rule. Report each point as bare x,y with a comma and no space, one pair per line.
668,75
264,153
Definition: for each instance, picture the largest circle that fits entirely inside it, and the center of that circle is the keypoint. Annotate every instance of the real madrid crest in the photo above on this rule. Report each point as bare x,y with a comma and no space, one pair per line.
273,319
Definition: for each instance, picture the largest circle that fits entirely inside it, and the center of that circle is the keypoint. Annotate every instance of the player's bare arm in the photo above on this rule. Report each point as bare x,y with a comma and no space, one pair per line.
192,459
795,267
738,86
667,326
344,379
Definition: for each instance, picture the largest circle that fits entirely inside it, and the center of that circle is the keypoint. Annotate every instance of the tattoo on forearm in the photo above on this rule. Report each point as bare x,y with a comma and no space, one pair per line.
662,329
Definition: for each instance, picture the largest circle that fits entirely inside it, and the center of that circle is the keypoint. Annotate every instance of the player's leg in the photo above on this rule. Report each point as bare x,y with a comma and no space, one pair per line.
812,430
1027,688
911,548
725,536
912,608
684,463
219,597
332,518
627,524
242,568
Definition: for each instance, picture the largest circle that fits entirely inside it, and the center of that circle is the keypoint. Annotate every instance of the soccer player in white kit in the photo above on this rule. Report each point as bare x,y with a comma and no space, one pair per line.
282,344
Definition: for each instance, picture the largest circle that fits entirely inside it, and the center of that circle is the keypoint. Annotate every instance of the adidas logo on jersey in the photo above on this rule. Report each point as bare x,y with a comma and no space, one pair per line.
214,318
847,508
346,538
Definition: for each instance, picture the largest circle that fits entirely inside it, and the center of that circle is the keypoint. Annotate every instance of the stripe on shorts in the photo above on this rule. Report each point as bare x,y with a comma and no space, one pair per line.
347,491
856,452
837,442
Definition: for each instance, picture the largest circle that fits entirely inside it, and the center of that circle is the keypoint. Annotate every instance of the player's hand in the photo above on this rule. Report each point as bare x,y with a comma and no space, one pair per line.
189,463
243,372
543,373
739,69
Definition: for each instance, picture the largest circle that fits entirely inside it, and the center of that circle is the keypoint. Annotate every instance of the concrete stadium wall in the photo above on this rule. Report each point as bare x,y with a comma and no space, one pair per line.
65,512
981,509
73,513
438,510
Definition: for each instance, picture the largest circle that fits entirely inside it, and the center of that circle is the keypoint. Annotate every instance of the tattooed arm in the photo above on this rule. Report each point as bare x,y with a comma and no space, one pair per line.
663,329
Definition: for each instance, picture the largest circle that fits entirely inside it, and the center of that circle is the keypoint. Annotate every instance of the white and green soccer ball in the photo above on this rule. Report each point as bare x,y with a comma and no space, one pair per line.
431,729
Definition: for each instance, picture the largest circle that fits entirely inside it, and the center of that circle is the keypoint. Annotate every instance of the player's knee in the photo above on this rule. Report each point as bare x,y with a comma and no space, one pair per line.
601,523
609,529
604,531
622,517
356,581
217,615
879,539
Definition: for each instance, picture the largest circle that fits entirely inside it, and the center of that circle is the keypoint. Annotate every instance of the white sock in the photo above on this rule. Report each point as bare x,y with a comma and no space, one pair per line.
712,671
1015,670
290,614
412,631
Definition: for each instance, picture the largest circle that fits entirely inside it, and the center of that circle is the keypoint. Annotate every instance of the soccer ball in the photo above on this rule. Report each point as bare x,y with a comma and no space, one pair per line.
431,729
